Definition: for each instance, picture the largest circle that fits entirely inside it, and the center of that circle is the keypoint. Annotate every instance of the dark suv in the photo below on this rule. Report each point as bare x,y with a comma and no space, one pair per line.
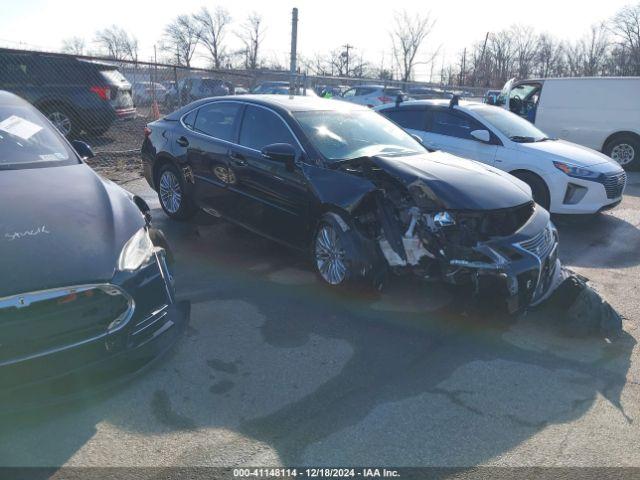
74,94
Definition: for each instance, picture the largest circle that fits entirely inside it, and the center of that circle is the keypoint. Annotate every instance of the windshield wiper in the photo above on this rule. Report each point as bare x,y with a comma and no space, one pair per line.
544,139
522,139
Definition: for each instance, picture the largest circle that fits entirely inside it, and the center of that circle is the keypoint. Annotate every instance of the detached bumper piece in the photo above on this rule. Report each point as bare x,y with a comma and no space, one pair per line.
66,342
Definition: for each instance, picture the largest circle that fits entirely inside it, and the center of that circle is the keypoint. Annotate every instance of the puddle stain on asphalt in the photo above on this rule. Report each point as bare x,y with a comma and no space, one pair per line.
226,367
221,387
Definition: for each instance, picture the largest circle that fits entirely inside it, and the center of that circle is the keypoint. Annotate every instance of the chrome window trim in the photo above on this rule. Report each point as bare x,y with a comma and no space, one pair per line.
239,102
20,301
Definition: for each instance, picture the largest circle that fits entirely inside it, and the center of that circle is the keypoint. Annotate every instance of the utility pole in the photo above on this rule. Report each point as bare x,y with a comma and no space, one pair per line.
294,49
347,47
482,61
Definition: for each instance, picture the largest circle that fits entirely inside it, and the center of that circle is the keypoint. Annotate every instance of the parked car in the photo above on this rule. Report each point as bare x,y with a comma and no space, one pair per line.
144,93
189,89
354,190
602,113
284,90
75,95
84,291
564,177
372,95
264,86
491,97
422,93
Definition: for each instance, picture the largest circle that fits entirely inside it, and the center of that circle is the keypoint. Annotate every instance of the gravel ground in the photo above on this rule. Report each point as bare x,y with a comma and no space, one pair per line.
275,370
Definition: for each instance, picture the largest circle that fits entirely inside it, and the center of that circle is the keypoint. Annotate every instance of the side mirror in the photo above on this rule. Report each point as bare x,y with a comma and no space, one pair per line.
280,152
481,135
83,149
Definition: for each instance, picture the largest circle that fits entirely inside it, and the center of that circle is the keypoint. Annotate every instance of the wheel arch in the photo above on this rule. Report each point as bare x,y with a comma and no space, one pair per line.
516,172
161,160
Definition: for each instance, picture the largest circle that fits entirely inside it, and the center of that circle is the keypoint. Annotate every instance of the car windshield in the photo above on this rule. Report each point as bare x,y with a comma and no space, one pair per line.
347,134
511,125
26,139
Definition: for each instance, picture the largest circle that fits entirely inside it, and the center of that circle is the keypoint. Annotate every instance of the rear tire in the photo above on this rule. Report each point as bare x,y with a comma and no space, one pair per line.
63,119
625,150
539,188
174,200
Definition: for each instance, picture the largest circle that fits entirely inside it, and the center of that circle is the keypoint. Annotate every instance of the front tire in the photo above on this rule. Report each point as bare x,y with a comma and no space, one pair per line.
538,186
343,259
625,150
172,194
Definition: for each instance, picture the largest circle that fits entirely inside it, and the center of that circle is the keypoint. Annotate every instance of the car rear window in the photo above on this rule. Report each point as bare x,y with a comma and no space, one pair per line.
393,91
408,118
113,76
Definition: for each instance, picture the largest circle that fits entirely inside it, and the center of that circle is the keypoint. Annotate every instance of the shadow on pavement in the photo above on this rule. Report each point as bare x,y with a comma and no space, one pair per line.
275,369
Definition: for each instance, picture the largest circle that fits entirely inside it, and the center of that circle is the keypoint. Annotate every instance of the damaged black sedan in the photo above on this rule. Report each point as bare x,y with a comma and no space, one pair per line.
364,197
85,290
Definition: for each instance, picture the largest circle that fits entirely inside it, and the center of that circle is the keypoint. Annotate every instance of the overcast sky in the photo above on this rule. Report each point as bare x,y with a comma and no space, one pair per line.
323,24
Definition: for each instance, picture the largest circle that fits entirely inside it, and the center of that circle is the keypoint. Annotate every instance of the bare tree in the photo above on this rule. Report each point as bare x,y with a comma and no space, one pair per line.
409,33
524,49
73,45
117,43
596,47
181,37
626,27
251,35
213,30
549,56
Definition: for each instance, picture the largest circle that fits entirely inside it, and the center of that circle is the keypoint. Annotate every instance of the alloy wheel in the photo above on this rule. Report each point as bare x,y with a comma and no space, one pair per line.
623,153
61,121
330,256
170,191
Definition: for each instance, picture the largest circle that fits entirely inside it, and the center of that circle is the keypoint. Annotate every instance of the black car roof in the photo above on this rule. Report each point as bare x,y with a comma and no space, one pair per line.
283,103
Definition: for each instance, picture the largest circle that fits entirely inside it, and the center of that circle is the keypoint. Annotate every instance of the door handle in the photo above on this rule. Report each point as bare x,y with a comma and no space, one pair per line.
183,142
238,159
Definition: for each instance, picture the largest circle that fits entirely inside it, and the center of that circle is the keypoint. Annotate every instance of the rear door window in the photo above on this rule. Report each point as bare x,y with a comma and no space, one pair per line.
408,118
217,120
261,127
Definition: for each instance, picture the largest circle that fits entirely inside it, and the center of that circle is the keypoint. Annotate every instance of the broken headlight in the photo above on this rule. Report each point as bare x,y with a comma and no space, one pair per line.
136,252
443,219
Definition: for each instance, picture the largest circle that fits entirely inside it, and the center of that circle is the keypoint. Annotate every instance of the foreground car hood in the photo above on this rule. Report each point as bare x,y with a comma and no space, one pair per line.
456,183
61,226
564,151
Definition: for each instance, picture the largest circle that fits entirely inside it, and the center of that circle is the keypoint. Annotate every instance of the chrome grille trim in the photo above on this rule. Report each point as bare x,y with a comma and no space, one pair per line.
22,300
614,184
541,244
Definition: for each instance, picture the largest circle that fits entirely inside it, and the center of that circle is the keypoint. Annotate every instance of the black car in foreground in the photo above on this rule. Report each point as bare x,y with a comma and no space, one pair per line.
364,197
84,292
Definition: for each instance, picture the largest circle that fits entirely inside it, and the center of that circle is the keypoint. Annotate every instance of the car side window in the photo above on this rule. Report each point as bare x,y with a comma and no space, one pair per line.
190,118
349,93
217,119
408,118
261,127
453,124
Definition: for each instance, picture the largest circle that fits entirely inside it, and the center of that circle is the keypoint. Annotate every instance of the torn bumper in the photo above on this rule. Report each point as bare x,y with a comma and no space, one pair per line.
72,369
527,269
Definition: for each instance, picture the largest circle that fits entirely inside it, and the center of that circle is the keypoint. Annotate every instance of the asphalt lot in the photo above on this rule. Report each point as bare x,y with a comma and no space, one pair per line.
275,370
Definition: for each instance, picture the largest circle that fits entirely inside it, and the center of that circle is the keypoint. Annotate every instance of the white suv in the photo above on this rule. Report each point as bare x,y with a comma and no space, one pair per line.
564,177
371,95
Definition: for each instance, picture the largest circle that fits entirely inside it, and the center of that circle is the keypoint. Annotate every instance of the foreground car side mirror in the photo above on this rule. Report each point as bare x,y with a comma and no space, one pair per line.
83,149
481,135
280,152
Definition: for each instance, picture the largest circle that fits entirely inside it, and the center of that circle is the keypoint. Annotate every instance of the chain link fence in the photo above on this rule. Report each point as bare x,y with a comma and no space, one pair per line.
107,103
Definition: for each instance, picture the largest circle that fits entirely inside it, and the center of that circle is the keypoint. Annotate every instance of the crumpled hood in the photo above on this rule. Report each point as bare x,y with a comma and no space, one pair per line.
457,183
563,151
61,226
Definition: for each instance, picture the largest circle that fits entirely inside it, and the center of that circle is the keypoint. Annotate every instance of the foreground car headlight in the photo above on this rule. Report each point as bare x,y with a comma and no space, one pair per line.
136,252
575,171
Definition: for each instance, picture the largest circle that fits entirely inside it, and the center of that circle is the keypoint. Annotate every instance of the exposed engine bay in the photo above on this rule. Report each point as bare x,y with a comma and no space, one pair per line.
508,253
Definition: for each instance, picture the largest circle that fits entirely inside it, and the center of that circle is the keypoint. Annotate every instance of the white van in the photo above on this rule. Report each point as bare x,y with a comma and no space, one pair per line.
602,113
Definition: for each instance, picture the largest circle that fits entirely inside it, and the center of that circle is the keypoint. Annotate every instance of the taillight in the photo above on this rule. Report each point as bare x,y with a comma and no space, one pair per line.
147,132
103,92
385,99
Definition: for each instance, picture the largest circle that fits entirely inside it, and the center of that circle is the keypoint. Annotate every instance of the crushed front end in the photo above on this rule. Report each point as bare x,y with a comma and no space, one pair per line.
506,255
